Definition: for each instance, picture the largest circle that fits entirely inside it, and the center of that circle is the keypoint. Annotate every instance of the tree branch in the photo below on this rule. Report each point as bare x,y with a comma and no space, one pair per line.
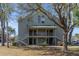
49,15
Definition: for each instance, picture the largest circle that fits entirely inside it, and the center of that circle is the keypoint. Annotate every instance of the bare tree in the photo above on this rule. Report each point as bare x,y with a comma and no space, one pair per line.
63,20
2,25
5,15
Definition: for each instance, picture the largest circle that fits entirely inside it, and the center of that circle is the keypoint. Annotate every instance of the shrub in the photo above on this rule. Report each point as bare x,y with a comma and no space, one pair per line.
14,44
44,44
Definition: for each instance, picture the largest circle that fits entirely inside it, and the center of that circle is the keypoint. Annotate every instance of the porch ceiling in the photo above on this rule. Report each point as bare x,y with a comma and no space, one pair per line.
41,36
43,27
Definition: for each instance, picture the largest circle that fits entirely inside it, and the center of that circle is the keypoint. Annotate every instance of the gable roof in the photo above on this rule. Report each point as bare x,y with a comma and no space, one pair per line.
30,15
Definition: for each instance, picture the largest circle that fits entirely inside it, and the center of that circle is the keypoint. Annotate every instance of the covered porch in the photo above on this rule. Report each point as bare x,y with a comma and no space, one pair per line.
42,35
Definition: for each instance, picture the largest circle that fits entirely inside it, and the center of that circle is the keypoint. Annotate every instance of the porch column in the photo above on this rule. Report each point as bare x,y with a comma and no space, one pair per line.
46,35
28,37
32,37
37,37
55,38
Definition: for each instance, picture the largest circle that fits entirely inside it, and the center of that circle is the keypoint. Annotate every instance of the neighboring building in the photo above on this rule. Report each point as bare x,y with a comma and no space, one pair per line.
37,29
75,40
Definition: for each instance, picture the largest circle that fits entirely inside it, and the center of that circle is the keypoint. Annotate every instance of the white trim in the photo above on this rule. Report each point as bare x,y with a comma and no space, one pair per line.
41,36
45,27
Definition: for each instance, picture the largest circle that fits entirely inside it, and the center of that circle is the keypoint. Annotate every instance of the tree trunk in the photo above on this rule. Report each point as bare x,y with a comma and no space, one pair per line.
3,32
8,40
3,37
65,42
7,36
70,35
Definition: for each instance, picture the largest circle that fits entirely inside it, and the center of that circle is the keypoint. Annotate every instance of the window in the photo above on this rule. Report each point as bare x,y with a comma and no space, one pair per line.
42,19
39,19
30,32
35,32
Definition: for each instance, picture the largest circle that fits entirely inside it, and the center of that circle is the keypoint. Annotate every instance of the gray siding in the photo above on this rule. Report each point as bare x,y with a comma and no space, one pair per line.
23,29
37,22
23,26
59,33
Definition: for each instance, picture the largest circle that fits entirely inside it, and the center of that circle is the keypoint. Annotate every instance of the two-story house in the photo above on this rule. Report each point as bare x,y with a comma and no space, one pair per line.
37,29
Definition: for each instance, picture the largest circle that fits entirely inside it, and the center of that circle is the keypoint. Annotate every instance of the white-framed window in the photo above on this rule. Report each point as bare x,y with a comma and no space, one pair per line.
42,19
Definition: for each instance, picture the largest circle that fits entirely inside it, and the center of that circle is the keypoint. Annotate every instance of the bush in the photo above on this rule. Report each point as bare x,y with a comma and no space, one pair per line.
60,43
44,44
14,44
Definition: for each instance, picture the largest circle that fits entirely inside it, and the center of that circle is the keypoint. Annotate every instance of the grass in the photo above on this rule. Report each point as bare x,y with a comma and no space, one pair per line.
15,51
40,51
73,50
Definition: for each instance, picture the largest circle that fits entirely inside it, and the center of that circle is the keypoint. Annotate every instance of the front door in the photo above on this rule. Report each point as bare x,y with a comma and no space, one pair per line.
32,41
50,41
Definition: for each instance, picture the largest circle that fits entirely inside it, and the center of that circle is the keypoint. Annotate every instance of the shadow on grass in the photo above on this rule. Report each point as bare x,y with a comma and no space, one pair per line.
73,53
54,51
47,50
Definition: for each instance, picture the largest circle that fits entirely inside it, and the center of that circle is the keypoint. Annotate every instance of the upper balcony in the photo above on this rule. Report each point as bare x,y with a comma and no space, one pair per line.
41,31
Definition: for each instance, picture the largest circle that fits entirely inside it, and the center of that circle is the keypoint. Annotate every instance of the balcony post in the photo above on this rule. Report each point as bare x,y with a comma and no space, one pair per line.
37,37
46,35
32,37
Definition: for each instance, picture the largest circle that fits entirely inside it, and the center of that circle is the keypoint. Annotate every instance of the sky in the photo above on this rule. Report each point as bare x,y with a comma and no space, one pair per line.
14,23
75,31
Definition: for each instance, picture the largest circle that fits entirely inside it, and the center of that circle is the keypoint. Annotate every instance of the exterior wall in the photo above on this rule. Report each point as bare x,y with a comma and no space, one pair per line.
59,33
23,29
24,24
36,21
